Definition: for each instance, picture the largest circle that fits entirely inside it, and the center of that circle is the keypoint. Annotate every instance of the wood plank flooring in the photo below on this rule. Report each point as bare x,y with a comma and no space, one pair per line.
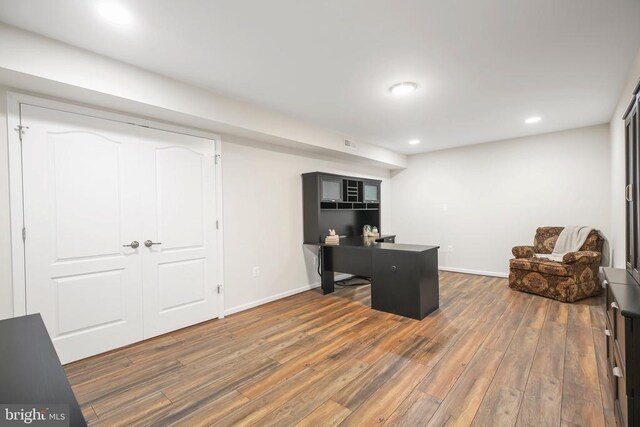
488,357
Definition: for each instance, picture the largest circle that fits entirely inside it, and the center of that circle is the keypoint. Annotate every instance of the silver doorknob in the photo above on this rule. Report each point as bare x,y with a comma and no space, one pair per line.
149,243
133,245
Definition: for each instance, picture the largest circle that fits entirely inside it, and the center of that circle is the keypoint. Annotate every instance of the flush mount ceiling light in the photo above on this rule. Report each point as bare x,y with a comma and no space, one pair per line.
531,120
403,88
115,13
414,141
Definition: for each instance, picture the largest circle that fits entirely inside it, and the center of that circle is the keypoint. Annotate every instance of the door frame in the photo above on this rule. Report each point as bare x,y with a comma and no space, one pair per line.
16,196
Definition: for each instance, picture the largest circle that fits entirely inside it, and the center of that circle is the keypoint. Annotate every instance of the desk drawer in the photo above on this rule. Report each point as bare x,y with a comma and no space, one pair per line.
608,307
608,332
617,323
610,365
620,393
620,335
618,370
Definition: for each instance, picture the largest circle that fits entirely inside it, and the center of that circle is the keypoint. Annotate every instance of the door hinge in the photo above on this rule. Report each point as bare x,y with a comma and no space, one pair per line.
217,158
21,130
217,225
219,289
24,234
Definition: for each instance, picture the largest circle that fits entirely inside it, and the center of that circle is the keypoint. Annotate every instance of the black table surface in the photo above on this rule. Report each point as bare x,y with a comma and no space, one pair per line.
625,290
30,370
370,243
628,298
618,275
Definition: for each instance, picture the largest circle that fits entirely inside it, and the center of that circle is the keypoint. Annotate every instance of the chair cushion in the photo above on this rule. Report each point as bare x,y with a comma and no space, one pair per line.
546,238
542,266
593,243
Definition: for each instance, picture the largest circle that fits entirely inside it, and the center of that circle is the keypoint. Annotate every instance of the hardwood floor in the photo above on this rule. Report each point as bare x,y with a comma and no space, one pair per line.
488,357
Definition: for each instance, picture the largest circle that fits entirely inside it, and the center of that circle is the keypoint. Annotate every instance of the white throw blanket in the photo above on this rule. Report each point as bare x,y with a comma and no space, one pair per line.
570,239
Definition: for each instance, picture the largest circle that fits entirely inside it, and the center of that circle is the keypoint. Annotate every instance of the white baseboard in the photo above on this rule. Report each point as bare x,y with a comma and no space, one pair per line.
476,272
271,298
338,277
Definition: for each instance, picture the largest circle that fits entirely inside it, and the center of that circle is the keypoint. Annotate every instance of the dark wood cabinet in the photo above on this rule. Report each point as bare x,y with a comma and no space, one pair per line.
622,321
343,203
622,330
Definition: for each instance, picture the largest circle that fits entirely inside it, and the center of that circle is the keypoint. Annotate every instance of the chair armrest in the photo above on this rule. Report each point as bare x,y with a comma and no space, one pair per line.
582,257
522,251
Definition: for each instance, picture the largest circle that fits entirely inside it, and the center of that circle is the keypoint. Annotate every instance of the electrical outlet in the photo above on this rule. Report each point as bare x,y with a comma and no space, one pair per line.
450,248
256,271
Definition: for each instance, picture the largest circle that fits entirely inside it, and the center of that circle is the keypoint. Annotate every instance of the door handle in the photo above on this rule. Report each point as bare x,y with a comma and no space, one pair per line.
132,245
614,305
628,193
149,243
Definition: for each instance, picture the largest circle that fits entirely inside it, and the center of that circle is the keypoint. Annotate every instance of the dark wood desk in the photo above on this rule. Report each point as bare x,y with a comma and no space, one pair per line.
30,371
404,278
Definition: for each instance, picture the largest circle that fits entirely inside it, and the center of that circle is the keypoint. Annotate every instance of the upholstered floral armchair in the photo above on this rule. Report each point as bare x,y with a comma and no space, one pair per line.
575,278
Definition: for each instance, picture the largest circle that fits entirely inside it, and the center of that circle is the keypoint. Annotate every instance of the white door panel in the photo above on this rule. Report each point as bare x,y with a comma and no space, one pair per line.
178,175
92,186
171,277
79,209
180,197
73,292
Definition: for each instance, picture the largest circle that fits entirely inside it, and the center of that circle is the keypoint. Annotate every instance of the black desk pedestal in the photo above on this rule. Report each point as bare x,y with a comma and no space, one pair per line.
404,278
405,283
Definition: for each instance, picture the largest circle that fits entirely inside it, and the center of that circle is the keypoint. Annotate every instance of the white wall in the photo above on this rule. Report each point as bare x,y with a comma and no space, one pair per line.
484,199
6,292
618,168
263,220
42,65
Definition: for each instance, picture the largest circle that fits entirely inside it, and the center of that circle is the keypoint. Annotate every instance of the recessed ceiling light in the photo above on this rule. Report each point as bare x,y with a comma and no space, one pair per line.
414,141
403,88
115,13
531,120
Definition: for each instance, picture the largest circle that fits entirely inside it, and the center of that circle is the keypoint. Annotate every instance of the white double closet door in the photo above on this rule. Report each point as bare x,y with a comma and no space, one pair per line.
92,186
